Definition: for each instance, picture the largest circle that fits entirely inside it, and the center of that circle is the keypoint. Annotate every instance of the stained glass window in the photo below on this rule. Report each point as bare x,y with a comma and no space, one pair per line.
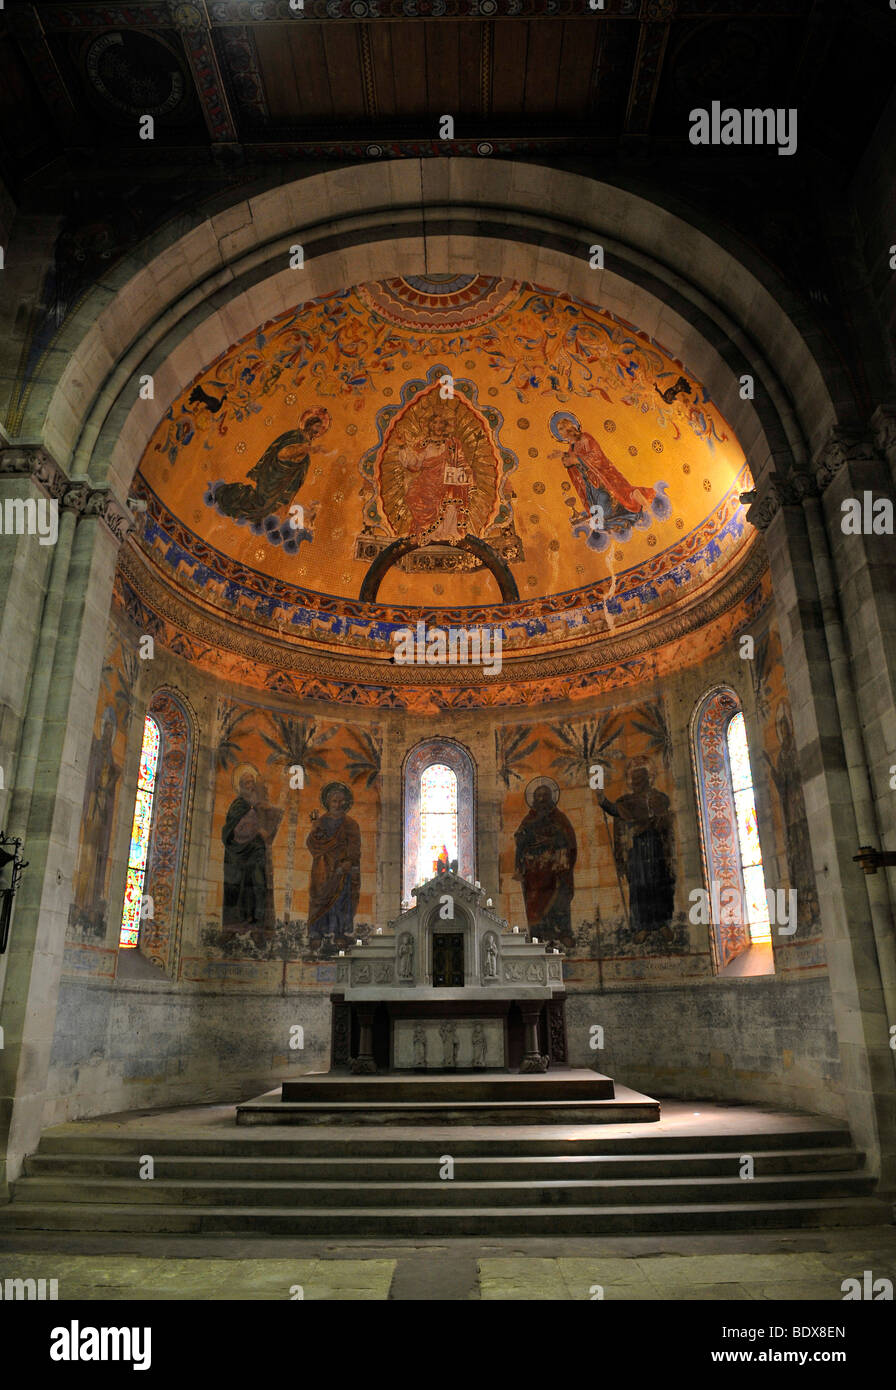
438,819
146,780
756,905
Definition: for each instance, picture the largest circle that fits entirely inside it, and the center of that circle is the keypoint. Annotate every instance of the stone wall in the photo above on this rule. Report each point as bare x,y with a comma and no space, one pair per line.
213,1021
145,1043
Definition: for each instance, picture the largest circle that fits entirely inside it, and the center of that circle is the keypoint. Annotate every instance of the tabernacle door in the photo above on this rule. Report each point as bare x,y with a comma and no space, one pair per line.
448,960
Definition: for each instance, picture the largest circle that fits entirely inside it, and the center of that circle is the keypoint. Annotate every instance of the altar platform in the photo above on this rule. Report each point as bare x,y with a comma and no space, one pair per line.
564,1095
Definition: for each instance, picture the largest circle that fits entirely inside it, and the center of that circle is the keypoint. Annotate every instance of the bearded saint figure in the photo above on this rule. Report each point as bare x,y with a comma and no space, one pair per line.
546,853
644,852
440,482
249,829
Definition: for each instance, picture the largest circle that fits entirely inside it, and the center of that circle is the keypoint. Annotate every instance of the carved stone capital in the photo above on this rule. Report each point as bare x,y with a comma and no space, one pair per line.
842,446
75,497
32,461
102,503
883,423
776,491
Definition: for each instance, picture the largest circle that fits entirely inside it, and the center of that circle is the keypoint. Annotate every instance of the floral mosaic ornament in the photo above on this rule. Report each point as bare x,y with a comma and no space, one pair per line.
612,505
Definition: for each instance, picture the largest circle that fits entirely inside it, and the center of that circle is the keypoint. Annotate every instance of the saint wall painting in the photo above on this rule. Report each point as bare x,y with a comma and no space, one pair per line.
644,854
788,805
293,855
249,829
596,855
266,499
544,865
334,844
91,912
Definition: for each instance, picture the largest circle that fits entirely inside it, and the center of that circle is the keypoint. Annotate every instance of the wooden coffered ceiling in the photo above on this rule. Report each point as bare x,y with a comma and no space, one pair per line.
354,78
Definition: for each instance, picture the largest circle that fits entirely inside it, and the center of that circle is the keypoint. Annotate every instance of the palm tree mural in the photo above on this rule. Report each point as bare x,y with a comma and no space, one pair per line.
584,747
650,719
295,744
227,745
365,763
511,750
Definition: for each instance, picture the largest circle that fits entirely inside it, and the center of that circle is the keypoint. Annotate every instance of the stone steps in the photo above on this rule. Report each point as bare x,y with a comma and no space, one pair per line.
362,1192
434,1113
470,1167
234,1143
562,1083
386,1184
385,1223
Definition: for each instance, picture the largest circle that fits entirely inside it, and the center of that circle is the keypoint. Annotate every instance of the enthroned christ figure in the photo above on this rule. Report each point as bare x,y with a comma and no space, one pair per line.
439,482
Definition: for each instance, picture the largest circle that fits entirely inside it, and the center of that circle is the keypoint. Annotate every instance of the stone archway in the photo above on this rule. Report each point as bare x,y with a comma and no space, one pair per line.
532,223
203,290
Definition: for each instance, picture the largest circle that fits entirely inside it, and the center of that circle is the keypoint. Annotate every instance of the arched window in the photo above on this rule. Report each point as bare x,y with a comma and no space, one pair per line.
438,819
139,848
729,831
756,903
439,809
160,832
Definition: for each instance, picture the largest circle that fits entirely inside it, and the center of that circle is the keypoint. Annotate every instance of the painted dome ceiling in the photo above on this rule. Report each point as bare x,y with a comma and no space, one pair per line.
461,448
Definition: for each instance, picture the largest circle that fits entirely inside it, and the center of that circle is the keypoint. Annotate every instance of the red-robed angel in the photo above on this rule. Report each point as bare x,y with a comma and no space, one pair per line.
587,464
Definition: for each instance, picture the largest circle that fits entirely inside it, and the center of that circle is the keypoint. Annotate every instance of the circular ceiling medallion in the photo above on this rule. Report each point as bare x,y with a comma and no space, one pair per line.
135,73
439,300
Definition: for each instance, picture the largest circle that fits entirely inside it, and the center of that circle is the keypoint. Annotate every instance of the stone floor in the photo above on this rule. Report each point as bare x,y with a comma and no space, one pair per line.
773,1266
777,1267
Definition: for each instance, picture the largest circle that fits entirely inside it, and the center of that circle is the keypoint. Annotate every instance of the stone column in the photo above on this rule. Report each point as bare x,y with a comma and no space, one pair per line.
55,745
533,1059
835,781
363,1064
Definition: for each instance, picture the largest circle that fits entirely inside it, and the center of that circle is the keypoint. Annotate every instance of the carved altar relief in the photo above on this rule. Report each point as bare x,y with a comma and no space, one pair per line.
461,1044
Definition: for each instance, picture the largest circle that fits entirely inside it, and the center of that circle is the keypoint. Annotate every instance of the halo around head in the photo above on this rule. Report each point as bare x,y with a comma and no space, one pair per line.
537,782
337,786
320,413
240,772
559,415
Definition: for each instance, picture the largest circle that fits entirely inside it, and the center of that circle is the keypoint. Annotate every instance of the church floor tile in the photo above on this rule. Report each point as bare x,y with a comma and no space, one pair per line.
773,1267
